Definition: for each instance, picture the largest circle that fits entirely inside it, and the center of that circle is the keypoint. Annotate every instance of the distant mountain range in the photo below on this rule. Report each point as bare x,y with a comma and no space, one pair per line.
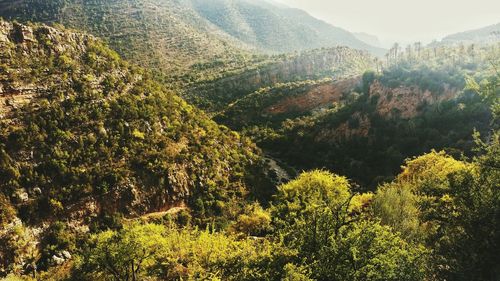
485,35
368,39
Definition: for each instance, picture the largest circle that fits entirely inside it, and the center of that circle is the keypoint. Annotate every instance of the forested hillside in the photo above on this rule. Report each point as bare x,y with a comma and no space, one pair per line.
84,136
187,37
486,35
365,127
166,35
276,28
215,93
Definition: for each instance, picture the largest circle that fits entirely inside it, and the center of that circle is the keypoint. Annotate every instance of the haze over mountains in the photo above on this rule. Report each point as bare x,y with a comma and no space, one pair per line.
403,21
485,35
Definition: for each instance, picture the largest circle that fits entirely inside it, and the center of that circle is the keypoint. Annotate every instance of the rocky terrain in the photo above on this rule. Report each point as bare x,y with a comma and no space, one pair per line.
84,120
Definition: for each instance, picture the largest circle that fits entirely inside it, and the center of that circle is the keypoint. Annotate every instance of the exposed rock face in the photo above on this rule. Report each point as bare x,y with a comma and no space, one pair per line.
405,101
4,31
322,95
401,102
18,92
22,34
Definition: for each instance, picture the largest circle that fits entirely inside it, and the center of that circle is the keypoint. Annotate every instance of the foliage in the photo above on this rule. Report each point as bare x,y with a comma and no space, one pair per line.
473,232
313,215
7,211
359,137
124,255
18,250
254,221
255,87
175,254
105,131
450,206
57,238
398,207
171,37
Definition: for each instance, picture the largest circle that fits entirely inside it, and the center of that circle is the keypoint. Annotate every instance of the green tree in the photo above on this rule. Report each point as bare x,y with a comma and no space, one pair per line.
124,254
317,215
472,242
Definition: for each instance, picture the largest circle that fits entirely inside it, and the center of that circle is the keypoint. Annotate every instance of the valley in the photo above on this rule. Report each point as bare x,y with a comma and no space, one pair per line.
241,140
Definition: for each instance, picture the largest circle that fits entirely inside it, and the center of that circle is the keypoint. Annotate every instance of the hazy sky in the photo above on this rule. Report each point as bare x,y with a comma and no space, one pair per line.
404,20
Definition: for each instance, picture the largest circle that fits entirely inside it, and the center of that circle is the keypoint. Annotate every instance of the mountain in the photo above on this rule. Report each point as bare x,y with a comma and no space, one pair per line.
368,39
485,35
176,36
84,134
166,35
276,28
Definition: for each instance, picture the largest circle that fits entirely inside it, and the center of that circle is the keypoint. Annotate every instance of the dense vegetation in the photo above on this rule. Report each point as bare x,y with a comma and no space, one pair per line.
187,40
215,94
438,220
165,35
106,173
366,129
276,28
485,35
84,135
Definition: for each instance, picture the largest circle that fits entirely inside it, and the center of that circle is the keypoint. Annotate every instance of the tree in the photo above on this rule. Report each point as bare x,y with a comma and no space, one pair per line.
125,254
397,206
472,235
489,90
453,207
316,215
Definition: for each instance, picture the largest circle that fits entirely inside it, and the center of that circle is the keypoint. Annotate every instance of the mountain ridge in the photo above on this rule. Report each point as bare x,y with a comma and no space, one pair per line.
484,35
173,36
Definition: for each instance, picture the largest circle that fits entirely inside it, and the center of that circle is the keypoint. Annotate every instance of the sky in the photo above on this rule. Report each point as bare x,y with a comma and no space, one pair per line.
403,21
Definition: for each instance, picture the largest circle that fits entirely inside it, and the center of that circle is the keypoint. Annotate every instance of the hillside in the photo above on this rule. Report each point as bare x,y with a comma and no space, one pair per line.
486,35
83,134
276,28
187,37
166,35
216,93
365,126
270,106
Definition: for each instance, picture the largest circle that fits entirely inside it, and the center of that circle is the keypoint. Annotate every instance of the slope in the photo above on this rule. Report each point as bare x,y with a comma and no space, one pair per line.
215,93
186,39
165,35
365,126
276,28
486,35
83,133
